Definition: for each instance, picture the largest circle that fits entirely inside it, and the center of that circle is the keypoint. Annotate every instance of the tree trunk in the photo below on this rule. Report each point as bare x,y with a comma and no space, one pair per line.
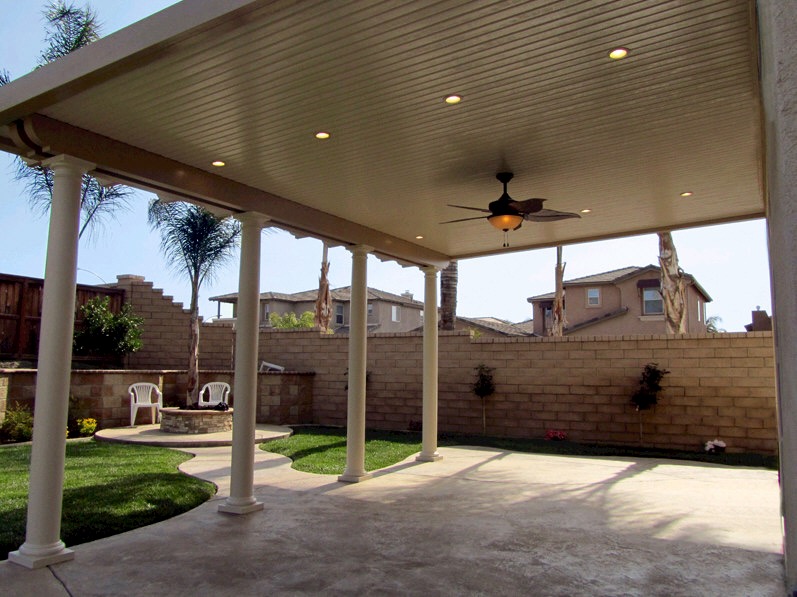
323,304
448,297
192,385
673,286
558,310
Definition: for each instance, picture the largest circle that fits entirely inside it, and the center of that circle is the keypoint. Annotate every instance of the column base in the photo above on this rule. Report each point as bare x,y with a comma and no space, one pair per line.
428,457
33,562
241,508
350,478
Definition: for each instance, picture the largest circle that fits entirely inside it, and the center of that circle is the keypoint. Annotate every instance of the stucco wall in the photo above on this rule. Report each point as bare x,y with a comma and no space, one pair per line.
102,394
613,297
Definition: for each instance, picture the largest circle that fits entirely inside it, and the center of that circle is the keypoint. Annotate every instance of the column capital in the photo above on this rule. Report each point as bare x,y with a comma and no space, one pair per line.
63,161
430,270
252,218
360,249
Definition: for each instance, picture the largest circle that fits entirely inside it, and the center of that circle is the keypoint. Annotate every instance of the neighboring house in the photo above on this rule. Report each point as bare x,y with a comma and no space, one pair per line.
624,301
387,312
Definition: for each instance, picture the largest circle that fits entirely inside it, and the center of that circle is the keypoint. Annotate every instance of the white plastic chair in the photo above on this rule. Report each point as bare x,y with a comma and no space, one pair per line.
218,391
266,366
141,397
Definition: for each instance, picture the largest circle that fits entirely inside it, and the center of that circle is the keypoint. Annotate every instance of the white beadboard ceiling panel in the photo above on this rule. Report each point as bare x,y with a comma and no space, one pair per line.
541,99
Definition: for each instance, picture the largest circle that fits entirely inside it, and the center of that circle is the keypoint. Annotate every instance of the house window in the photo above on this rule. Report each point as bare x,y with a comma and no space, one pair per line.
339,314
593,297
370,309
699,311
652,303
395,313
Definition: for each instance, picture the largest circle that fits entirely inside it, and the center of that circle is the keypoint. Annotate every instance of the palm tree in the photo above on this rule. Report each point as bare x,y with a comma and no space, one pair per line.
68,29
673,286
712,325
196,244
448,296
558,310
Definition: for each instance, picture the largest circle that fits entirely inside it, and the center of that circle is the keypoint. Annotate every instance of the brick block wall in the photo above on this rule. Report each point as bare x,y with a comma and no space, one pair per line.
719,386
166,326
285,398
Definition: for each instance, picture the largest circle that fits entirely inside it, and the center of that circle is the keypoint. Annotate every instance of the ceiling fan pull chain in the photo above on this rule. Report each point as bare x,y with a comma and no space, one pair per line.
506,238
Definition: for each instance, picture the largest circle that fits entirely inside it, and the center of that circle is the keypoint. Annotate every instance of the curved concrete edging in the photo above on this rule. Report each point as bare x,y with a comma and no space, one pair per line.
151,435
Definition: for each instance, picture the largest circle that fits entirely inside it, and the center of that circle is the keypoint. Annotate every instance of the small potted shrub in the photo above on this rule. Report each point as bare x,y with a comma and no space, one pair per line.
647,395
484,387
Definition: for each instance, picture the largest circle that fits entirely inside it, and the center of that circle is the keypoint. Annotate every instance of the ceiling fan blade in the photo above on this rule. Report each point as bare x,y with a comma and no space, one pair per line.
550,215
481,209
462,220
528,206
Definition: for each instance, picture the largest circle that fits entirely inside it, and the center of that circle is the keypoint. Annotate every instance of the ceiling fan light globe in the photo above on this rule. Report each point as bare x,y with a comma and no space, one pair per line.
505,222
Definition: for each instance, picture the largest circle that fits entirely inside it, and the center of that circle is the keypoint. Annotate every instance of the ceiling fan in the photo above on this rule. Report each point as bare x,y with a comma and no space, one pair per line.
507,214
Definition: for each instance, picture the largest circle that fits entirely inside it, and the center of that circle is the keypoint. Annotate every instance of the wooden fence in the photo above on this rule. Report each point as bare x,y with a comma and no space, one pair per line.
21,311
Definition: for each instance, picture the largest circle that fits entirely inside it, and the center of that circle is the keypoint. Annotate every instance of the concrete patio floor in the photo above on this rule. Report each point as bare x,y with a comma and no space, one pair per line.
479,522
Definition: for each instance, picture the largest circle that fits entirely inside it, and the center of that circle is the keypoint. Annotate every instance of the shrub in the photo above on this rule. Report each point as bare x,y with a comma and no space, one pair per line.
290,321
647,396
104,333
87,427
484,385
17,425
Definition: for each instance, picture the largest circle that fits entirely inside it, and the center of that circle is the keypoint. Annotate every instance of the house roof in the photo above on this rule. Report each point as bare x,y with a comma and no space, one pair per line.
498,325
341,295
250,81
613,277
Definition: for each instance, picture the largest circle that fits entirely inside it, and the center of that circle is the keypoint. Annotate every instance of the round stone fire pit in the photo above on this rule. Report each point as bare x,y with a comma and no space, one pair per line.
175,420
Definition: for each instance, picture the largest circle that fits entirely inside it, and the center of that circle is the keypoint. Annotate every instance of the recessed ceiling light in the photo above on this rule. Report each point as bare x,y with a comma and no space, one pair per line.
419,237
618,53
586,211
323,135
217,163
453,99
686,194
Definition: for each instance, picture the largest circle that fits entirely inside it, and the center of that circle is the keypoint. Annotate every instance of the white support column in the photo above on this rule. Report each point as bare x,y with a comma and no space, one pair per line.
43,545
358,339
429,447
242,499
778,31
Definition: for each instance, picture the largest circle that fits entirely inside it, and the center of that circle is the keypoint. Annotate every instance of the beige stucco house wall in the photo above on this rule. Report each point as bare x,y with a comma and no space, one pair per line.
620,302
387,312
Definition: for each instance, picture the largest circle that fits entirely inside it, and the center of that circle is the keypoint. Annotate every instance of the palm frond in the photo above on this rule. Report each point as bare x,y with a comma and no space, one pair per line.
38,183
5,77
194,242
97,203
69,28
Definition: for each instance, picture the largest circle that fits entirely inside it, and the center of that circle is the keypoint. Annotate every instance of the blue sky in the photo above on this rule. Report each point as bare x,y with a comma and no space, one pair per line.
730,261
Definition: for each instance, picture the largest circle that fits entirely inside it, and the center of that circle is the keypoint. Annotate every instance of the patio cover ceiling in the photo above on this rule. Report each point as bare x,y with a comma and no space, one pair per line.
250,81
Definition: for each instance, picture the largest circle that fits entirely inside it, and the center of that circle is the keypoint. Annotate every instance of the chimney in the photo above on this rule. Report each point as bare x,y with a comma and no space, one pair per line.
407,294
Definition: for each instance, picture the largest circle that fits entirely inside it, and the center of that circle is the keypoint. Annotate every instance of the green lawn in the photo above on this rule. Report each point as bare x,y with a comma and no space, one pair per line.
323,449
108,489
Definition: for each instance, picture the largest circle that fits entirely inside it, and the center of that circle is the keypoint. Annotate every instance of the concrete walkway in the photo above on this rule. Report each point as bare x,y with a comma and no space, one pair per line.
480,522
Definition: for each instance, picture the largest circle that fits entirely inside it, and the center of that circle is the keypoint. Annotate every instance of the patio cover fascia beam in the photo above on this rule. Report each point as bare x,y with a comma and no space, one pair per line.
38,137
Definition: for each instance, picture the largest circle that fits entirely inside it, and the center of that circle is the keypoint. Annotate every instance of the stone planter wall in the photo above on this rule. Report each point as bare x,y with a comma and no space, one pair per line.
174,420
102,395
